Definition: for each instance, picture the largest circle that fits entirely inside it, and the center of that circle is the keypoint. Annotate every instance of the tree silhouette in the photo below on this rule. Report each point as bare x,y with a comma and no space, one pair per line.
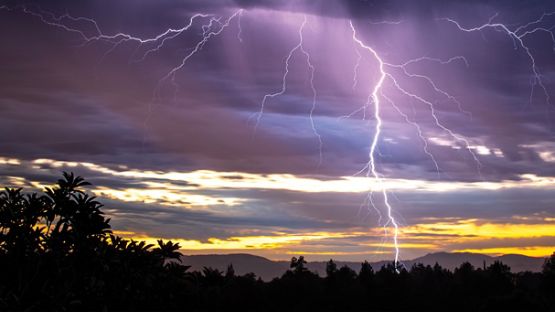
57,252
548,267
168,250
366,272
298,265
331,269
230,271
64,254
548,281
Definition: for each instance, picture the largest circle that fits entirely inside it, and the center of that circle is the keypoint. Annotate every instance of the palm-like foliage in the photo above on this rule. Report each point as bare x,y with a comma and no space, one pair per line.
168,250
20,214
62,250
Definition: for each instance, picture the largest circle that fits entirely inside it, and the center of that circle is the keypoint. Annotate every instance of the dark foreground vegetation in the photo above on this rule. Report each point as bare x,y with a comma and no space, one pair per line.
57,253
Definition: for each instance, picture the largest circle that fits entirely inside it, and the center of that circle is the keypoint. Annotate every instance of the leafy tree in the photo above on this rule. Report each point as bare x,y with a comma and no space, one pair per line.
548,267
168,250
331,268
298,265
366,273
230,271
62,254
548,281
499,278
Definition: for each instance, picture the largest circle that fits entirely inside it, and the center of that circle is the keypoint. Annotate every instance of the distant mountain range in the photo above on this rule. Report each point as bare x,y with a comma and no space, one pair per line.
268,269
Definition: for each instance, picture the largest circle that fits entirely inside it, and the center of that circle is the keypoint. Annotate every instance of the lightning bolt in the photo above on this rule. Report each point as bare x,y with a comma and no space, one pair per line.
518,35
299,47
377,132
115,40
434,86
213,27
169,35
207,34
377,93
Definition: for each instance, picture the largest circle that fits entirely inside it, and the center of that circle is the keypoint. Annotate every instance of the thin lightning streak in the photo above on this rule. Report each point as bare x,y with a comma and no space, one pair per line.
439,124
386,23
58,24
298,47
119,38
355,72
207,35
166,36
115,40
434,86
538,29
377,132
281,91
517,36
436,60
419,131
313,107
240,28
370,199
74,19
356,111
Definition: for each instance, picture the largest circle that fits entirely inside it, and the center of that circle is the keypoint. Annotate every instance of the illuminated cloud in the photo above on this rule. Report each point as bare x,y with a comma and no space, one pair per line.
207,179
9,161
207,191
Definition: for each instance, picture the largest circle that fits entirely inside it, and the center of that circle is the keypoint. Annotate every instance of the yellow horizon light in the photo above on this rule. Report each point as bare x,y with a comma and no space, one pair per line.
530,251
278,241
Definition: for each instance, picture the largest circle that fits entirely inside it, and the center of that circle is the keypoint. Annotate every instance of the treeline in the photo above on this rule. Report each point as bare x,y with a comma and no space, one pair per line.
57,252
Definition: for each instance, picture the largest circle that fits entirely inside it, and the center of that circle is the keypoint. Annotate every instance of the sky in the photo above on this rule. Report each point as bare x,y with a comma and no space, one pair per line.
246,126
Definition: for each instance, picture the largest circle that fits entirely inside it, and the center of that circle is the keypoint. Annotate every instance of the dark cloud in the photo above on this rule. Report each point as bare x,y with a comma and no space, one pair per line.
86,96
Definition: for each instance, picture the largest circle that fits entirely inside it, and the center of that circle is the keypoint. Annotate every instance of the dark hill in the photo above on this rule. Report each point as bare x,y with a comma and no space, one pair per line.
268,269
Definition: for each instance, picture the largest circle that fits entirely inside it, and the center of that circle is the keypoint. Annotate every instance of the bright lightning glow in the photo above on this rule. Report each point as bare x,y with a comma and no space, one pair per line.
374,98
377,132
434,86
